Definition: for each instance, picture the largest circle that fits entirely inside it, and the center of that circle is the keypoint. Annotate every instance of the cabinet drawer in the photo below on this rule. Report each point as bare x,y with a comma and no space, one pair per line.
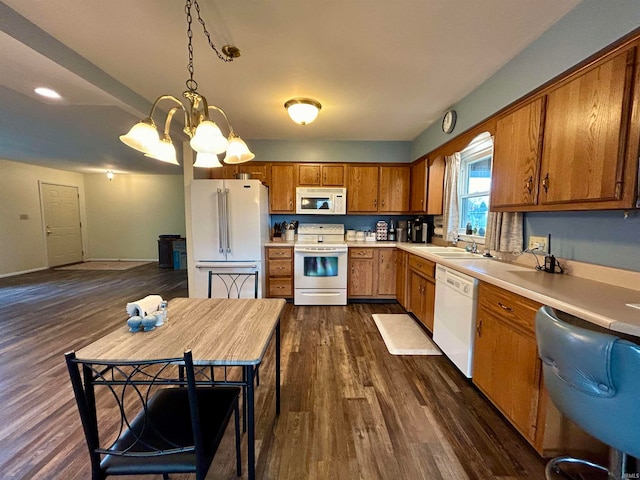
280,287
361,253
279,268
517,311
422,265
280,252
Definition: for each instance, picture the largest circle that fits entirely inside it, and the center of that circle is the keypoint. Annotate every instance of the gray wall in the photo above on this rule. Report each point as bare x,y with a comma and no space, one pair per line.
603,238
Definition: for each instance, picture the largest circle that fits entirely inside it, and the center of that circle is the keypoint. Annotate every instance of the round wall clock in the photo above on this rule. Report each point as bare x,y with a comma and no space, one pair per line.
449,121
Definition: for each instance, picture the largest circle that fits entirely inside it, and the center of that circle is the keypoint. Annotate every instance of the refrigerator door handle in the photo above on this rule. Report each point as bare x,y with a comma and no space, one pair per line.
226,219
220,222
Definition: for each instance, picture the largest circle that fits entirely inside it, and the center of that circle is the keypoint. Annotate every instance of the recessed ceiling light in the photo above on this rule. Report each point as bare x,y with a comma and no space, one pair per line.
47,92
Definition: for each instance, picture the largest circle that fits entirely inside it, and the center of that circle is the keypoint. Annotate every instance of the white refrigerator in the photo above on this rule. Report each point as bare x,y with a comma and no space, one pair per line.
229,227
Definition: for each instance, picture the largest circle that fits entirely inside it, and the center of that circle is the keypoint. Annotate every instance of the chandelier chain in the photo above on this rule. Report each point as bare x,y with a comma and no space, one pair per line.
222,57
192,85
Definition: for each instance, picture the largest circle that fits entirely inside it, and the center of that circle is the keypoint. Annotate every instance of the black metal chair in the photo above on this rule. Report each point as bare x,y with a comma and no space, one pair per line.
152,422
233,283
594,379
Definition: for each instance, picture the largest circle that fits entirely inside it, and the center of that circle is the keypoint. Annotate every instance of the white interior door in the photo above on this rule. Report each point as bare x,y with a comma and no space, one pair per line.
61,207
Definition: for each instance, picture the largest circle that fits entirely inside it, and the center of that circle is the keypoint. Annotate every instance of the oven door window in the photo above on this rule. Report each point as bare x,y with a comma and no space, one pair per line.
320,266
315,203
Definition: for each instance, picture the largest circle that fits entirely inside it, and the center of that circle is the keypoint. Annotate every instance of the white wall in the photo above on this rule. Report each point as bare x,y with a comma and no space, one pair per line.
125,216
22,242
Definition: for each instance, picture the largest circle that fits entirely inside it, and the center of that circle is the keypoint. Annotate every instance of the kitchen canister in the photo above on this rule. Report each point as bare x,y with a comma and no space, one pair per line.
351,236
360,236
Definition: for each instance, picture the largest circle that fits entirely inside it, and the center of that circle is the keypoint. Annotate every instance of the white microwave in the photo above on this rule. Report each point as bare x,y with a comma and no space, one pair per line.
321,201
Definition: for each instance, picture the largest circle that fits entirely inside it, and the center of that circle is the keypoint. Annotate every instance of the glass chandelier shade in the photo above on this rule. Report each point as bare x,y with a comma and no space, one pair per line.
238,152
303,110
207,160
164,151
143,136
206,138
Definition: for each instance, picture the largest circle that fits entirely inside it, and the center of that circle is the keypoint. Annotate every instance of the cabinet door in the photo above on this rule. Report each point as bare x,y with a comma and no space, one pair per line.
282,190
401,278
435,188
585,134
516,157
362,189
309,175
361,277
226,171
418,202
416,302
505,361
387,264
506,368
394,189
257,171
333,175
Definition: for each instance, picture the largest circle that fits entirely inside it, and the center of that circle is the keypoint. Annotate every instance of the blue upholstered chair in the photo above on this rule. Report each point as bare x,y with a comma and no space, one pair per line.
594,379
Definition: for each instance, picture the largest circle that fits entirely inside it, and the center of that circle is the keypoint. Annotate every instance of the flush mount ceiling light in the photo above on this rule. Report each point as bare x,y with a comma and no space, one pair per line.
47,92
206,137
302,110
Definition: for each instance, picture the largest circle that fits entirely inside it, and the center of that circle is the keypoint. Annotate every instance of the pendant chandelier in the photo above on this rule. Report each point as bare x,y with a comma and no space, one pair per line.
206,137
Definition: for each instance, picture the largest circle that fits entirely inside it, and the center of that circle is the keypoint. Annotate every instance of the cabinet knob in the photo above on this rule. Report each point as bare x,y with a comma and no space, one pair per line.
375,202
545,183
529,184
479,328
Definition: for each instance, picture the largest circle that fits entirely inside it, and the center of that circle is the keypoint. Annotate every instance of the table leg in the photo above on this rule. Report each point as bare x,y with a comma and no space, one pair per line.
251,433
278,368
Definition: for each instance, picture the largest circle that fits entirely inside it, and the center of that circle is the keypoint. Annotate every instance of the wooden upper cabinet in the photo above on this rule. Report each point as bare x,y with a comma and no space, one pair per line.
418,201
282,198
394,189
586,134
362,189
314,174
516,156
258,171
435,186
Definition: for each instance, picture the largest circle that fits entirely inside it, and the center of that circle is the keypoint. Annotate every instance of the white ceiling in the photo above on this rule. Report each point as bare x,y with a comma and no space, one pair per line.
383,70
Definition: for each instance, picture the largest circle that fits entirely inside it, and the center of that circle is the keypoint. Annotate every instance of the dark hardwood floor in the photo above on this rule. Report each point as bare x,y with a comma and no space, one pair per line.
349,408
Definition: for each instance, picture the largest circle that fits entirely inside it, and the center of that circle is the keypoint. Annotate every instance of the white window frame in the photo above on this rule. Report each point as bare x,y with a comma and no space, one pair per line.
479,149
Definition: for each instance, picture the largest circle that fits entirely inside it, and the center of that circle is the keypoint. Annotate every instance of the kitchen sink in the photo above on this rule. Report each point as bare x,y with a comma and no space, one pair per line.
458,254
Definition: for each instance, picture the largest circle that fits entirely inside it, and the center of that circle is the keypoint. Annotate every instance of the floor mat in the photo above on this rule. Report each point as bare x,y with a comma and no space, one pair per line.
403,336
103,266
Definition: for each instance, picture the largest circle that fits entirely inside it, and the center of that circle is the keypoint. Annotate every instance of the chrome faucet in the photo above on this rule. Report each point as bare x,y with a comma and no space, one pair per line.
473,248
455,240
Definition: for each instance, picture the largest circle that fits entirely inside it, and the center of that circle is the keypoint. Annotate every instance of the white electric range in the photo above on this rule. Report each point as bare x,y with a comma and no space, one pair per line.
320,265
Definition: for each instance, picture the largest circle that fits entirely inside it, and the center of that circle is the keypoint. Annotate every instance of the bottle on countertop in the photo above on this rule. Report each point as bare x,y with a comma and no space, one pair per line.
391,234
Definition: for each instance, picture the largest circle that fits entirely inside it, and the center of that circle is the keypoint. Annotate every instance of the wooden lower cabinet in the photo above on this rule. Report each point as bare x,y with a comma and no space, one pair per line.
279,270
506,367
372,272
507,370
421,289
402,269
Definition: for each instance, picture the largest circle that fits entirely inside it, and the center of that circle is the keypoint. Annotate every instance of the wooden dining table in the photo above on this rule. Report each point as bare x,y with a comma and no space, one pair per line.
219,333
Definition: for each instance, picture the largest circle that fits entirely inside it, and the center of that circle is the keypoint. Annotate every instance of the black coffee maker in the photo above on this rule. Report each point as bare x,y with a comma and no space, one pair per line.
416,231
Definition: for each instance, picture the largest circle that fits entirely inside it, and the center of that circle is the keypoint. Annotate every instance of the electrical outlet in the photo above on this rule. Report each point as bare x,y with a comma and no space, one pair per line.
538,243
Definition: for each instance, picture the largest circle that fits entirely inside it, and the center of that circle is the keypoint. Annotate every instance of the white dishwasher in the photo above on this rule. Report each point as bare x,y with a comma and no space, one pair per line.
455,316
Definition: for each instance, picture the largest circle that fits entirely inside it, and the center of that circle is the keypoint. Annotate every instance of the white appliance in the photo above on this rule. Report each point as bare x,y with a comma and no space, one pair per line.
321,201
454,324
229,227
320,265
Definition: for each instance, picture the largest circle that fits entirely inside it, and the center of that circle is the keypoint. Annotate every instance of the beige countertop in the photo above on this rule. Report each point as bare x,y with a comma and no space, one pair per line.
599,303
596,302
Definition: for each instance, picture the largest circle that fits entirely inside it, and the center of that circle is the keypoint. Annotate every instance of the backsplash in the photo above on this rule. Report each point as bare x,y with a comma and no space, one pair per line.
351,222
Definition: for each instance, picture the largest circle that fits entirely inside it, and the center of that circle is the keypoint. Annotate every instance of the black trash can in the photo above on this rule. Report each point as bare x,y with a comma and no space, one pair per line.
165,250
